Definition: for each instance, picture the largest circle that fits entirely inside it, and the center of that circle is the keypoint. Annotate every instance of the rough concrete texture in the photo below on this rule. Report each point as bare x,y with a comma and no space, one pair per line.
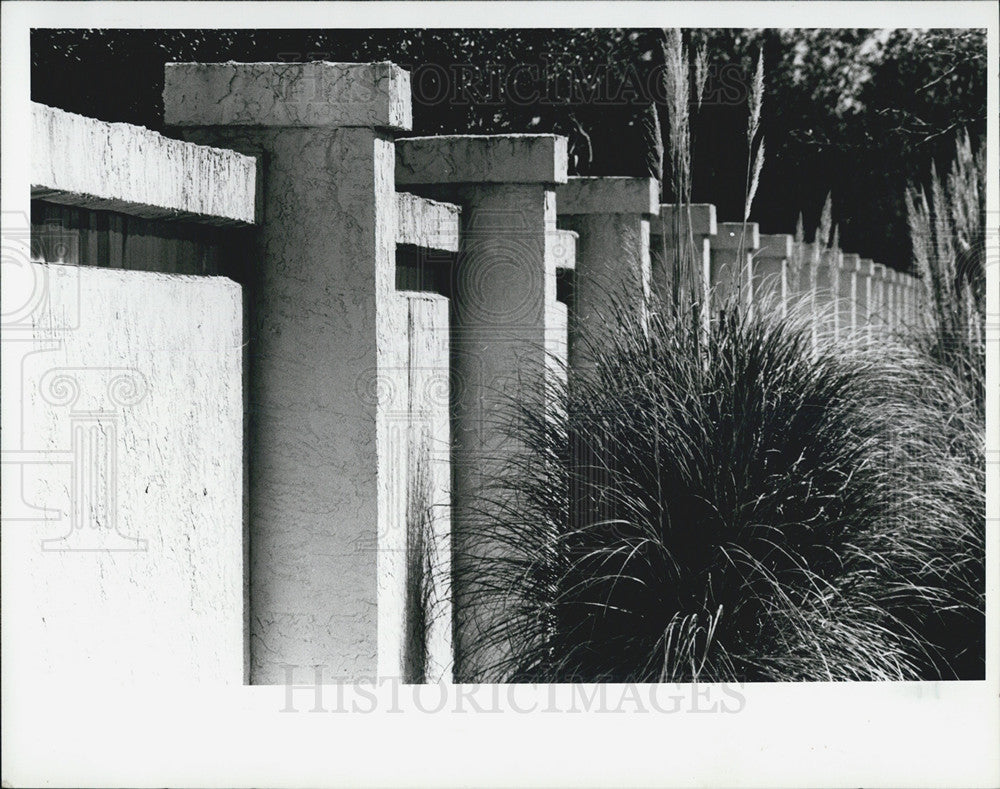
481,159
505,329
608,195
428,224
371,95
700,217
414,557
123,480
323,337
119,167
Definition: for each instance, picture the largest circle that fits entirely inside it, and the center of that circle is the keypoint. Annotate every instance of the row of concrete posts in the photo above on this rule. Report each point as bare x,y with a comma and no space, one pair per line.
405,290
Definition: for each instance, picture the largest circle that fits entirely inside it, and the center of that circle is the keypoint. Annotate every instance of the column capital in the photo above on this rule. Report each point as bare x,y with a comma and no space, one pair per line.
851,262
775,246
730,233
318,94
481,159
608,195
703,221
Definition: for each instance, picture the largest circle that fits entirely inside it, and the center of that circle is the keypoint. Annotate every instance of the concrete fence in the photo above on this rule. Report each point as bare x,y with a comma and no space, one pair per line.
399,293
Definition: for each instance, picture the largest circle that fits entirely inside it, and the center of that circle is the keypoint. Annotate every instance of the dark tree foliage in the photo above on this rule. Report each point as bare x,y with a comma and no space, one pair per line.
858,112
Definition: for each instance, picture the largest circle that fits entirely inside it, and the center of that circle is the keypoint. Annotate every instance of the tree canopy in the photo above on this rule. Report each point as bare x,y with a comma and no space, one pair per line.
858,113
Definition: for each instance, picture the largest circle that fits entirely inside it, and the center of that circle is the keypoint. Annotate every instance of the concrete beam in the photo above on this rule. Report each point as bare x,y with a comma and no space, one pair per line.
481,159
428,224
608,195
703,220
84,162
341,95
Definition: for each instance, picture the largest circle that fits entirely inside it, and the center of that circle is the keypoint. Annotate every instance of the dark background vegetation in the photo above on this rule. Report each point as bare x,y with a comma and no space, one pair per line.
858,113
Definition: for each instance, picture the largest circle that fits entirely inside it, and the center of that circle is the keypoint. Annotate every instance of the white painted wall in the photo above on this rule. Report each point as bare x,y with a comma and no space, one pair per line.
123,478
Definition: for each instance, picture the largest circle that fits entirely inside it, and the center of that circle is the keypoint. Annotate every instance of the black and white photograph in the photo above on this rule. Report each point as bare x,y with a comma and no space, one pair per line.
492,394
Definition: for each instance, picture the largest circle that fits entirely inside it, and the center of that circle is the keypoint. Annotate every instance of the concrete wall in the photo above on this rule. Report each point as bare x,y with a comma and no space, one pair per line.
123,478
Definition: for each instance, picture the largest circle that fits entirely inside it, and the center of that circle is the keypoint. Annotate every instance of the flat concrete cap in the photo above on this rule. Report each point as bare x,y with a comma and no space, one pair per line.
850,262
483,159
703,221
375,95
879,271
832,256
730,233
866,266
608,195
428,224
562,247
775,246
85,162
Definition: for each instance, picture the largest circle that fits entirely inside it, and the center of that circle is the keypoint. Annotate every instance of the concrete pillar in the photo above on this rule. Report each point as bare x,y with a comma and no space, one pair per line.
892,294
879,323
680,253
866,295
847,295
563,248
826,289
504,330
770,273
611,217
731,273
325,332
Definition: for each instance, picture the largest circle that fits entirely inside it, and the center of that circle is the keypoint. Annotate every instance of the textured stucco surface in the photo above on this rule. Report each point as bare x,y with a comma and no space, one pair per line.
414,559
324,339
481,159
608,195
119,167
372,95
428,224
123,480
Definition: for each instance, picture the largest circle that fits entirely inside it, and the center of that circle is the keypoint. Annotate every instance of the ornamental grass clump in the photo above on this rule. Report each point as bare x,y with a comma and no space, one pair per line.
739,509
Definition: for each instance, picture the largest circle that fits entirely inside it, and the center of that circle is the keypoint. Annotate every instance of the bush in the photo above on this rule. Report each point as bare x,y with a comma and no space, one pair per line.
740,509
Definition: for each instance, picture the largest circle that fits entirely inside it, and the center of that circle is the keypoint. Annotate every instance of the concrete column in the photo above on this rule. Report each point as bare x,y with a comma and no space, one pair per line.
847,294
504,331
563,248
770,273
611,217
680,253
826,293
892,294
731,273
324,350
866,295
879,323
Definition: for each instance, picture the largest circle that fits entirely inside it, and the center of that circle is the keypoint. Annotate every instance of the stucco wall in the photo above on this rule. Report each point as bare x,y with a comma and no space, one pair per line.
123,478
